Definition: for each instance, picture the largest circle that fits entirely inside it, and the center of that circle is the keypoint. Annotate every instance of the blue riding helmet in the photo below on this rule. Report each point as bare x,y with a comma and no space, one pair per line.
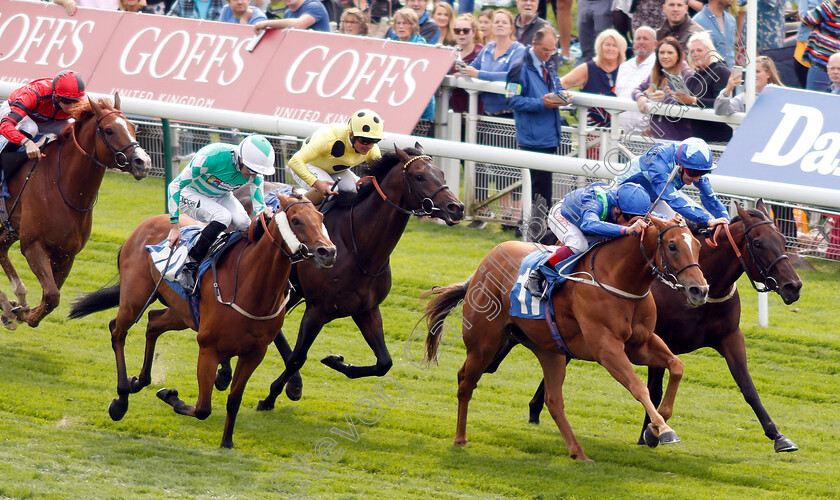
695,154
632,199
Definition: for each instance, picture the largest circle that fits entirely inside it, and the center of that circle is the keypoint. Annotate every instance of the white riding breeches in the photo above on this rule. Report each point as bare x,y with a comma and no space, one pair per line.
346,178
30,127
569,234
225,209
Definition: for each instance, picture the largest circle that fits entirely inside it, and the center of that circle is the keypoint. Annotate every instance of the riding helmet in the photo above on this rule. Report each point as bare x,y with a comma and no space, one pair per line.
69,85
695,154
366,123
257,154
632,199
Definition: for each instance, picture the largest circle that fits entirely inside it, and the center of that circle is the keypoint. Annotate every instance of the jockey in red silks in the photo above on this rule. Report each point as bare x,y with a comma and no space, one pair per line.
41,106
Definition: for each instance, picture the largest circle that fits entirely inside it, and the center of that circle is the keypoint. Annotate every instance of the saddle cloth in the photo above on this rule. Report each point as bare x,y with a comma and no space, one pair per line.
522,303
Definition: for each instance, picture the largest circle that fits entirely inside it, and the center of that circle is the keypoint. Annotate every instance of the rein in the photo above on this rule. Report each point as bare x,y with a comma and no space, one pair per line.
667,276
762,270
592,280
7,223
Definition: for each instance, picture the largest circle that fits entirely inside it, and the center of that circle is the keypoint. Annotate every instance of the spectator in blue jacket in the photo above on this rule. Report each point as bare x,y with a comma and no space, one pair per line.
538,95
300,14
693,160
241,12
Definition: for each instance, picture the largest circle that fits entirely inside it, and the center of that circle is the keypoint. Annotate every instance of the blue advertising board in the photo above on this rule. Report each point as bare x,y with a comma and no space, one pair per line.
789,136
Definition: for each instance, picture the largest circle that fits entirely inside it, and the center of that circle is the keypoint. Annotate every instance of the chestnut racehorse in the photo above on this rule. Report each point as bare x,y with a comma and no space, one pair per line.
250,281
366,230
608,318
52,199
757,248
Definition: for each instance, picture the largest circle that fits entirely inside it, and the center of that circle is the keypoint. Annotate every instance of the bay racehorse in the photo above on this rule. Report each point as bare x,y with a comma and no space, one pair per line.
52,199
609,318
365,230
241,307
751,244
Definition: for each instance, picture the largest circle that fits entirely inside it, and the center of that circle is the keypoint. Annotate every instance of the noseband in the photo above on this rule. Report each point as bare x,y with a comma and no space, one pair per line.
303,252
768,282
120,156
668,277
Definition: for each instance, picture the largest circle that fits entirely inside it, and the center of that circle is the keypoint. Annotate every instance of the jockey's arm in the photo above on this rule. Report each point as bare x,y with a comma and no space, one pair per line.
710,201
592,225
257,196
319,146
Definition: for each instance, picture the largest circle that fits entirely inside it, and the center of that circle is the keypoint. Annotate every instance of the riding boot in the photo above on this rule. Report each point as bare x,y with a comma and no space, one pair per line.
314,196
187,275
536,283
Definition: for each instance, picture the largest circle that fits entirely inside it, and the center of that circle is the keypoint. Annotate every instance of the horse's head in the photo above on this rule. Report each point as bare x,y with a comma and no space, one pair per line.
302,227
427,192
765,246
118,139
676,258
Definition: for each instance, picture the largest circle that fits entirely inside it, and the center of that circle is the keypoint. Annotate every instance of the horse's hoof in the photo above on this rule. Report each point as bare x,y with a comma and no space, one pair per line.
783,444
264,405
19,312
461,441
223,379
166,394
650,440
135,385
226,444
669,437
117,409
9,322
294,389
334,361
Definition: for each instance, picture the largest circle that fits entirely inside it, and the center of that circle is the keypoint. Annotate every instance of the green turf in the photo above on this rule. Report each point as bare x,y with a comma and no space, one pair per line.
57,441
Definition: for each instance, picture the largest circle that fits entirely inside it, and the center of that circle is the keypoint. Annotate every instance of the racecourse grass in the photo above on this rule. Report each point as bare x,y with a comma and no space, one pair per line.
57,441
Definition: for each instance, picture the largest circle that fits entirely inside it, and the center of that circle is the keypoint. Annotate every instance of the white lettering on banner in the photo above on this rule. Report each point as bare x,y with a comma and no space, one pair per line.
188,53
317,65
32,38
823,160
298,114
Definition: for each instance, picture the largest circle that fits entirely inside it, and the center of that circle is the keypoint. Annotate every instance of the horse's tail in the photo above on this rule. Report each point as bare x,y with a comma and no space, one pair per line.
448,297
104,298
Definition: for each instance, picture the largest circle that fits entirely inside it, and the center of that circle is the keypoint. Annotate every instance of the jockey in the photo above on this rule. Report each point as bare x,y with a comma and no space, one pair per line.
204,191
587,215
41,106
694,158
329,153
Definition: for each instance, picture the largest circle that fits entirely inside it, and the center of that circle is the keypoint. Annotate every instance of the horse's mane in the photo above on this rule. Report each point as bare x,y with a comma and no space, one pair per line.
81,111
378,169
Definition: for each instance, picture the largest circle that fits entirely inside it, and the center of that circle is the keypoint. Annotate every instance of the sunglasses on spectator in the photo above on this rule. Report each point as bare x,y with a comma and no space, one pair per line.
67,100
694,173
462,31
367,141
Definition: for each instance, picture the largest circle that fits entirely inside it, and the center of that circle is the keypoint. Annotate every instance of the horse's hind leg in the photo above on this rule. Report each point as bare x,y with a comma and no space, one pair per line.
554,374
732,348
119,406
9,317
245,367
370,324
656,375
294,387
51,273
160,321
480,352
208,361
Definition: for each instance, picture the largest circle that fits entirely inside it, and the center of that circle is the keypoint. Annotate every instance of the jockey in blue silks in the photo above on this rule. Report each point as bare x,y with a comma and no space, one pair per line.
587,215
694,158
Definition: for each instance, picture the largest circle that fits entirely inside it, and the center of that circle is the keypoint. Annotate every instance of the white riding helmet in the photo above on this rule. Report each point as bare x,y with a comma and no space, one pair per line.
257,154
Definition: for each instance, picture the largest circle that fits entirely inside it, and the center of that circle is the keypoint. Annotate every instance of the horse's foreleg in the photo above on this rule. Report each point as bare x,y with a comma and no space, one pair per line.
733,349
501,355
536,404
310,326
119,406
208,361
370,324
9,317
554,374
160,321
245,366
50,275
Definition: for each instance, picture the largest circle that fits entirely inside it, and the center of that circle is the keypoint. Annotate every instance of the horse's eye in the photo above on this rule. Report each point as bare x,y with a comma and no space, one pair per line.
756,243
295,221
672,246
419,177
108,131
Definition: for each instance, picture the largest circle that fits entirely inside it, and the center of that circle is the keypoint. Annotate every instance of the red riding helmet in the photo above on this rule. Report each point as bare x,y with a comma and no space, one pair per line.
69,85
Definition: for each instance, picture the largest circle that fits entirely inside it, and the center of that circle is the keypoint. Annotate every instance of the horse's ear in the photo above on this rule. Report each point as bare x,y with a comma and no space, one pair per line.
744,214
117,100
761,207
94,106
402,155
418,147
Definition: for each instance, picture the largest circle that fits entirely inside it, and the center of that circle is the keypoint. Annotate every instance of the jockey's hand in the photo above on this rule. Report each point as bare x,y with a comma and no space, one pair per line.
32,150
716,222
324,188
268,212
174,236
637,227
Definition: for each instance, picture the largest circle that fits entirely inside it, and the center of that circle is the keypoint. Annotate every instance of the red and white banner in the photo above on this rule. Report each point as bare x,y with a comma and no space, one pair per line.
304,75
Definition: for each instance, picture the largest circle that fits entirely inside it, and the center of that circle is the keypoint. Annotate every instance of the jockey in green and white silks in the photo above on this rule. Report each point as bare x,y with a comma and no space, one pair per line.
204,191
694,158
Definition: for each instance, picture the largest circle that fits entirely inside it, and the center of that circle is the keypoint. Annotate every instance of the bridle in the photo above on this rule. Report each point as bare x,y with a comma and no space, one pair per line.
768,282
667,276
303,252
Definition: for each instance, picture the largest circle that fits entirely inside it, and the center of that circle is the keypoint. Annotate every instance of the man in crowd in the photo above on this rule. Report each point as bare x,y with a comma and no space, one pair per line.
593,17
834,73
300,14
527,22
721,25
241,12
632,73
677,23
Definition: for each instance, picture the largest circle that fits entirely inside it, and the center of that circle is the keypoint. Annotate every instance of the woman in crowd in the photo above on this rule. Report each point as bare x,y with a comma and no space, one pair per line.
765,73
468,41
494,61
485,24
657,89
444,16
598,76
710,77
353,22
407,28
